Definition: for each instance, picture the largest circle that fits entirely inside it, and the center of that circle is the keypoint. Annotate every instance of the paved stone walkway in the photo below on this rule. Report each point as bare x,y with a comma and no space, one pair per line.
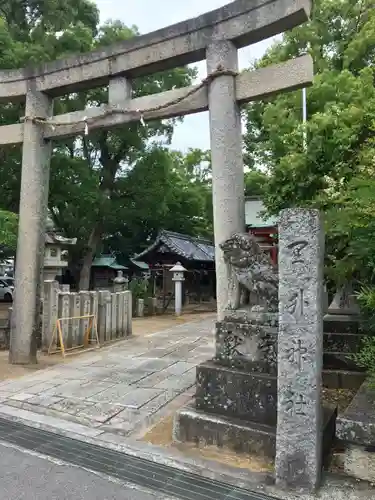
121,389
111,396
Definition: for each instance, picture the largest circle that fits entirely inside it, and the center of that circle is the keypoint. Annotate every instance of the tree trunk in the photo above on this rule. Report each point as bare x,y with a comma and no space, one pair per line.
110,167
85,274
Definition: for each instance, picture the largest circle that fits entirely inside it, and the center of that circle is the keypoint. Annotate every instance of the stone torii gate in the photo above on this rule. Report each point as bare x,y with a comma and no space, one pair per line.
215,36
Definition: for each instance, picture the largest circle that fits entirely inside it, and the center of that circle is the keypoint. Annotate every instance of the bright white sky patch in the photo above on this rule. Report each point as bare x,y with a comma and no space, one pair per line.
149,15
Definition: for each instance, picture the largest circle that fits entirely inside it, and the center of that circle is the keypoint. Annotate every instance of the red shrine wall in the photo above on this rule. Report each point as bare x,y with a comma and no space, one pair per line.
266,239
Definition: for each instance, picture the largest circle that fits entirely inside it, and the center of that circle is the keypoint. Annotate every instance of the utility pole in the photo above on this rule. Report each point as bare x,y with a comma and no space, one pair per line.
304,118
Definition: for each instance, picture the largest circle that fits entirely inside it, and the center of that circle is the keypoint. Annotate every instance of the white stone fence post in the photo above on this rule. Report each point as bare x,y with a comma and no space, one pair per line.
113,314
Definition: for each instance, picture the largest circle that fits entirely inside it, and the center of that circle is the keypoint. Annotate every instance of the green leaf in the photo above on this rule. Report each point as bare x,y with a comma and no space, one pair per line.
335,173
115,189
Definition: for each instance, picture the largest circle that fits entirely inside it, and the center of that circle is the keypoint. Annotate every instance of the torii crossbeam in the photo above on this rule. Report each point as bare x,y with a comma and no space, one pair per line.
215,36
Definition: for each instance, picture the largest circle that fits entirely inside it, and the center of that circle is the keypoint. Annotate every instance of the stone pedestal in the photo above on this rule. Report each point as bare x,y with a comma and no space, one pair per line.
248,396
236,392
262,391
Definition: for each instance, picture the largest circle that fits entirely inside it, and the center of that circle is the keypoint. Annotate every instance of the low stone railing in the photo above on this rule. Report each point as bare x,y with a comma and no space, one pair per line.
112,313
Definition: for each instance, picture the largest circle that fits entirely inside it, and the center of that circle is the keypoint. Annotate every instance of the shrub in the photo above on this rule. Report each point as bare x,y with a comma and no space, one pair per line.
139,288
365,357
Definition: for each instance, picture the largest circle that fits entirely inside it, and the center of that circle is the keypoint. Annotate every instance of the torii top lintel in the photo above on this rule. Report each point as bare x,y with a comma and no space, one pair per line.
243,21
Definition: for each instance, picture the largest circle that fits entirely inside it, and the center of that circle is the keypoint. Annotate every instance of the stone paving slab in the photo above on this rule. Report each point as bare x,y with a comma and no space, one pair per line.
178,383
46,421
333,487
44,400
128,396
68,405
129,377
114,394
120,390
100,412
151,380
161,400
4,395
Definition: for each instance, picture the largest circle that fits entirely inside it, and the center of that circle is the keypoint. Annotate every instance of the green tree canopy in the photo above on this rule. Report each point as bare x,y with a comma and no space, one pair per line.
256,182
8,233
339,159
178,199
109,188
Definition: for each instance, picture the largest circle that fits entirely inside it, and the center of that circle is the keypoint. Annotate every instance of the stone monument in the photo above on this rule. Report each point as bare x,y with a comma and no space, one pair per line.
236,403
261,392
300,419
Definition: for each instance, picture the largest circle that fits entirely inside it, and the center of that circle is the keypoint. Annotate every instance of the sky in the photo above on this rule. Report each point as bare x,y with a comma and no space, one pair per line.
150,15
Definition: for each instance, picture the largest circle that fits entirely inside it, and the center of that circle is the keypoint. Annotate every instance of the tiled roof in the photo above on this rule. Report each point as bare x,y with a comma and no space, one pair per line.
108,261
140,264
188,247
52,238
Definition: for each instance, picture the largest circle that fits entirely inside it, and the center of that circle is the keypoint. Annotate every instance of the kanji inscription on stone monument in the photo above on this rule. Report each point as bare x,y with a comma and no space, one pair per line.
296,248
301,254
297,353
295,404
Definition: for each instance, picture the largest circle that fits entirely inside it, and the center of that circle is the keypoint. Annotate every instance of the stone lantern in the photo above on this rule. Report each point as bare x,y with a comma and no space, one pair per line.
120,283
54,252
178,271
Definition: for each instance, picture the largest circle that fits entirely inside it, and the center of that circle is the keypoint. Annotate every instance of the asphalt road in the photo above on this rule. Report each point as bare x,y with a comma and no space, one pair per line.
25,476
